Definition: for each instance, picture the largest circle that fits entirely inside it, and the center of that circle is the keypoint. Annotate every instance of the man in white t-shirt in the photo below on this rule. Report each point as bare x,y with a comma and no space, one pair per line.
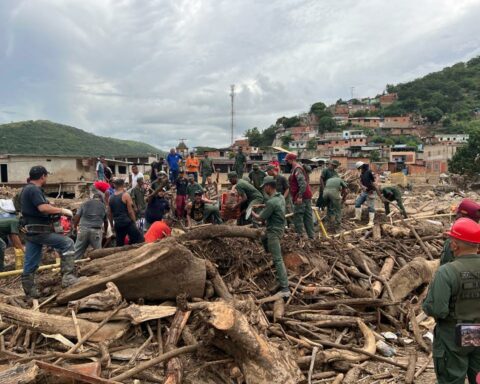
135,175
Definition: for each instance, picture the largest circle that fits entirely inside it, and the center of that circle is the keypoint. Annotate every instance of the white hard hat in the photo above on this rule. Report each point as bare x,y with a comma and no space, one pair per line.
358,164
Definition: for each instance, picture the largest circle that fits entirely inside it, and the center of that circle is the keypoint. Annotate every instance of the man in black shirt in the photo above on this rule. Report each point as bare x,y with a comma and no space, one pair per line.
369,189
37,213
181,198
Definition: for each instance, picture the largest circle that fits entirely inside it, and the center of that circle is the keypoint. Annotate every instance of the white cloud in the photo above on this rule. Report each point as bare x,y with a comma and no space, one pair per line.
159,70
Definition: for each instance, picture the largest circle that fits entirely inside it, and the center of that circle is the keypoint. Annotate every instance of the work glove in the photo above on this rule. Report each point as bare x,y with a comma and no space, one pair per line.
66,212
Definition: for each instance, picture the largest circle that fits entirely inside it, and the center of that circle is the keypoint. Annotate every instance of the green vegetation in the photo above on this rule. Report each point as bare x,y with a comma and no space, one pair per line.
467,158
46,138
261,139
452,93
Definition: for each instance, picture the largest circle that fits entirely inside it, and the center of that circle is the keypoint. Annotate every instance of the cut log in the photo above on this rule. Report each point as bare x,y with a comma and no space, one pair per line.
66,373
259,360
396,231
385,274
134,313
174,366
155,271
419,271
359,258
216,231
51,324
24,374
102,252
102,301
219,285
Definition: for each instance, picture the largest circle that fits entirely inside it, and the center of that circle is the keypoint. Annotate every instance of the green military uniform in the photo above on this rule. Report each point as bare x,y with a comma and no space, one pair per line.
302,213
192,189
327,174
256,177
8,226
138,198
447,255
239,166
453,297
333,199
392,193
274,215
206,168
254,196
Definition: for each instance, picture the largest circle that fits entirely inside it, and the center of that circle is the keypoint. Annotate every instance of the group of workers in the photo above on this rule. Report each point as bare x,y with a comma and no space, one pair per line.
264,196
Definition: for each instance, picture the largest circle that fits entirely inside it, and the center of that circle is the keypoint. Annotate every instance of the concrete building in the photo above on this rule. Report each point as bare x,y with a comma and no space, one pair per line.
436,157
452,138
68,174
366,122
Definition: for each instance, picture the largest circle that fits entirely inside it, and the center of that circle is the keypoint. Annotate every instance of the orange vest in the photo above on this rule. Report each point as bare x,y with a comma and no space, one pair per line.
192,164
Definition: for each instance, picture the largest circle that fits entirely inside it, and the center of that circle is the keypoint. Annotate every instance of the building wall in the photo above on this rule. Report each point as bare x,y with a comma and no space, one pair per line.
397,122
436,157
365,122
408,157
62,169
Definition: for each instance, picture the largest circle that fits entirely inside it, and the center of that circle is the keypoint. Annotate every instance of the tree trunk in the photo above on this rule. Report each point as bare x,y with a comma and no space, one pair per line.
24,374
102,252
259,360
155,271
134,313
359,258
102,301
385,274
174,366
51,324
216,231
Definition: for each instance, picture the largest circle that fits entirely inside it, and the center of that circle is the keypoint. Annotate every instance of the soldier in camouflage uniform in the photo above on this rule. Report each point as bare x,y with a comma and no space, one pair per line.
454,298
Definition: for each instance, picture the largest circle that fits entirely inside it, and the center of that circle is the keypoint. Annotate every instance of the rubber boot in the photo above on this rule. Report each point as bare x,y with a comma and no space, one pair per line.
28,284
67,268
371,217
358,214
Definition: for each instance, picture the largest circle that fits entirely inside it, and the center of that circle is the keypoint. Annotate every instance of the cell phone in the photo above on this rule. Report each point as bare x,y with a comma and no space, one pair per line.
467,335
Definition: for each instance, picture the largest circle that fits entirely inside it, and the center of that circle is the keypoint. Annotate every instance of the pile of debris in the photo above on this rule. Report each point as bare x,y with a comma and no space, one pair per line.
199,309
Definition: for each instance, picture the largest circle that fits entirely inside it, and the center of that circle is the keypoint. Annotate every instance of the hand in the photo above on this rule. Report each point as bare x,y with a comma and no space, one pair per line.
258,206
66,212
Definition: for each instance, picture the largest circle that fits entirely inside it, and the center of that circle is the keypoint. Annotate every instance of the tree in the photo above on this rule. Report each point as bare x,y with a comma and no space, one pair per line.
433,114
254,137
286,140
312,144
374,156
466,160
261,139
326,123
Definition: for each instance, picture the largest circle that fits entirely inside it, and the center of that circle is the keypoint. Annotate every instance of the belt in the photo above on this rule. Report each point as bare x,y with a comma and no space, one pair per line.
34,229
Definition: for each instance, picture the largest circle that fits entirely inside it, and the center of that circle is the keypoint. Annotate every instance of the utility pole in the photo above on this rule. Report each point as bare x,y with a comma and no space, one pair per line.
232,98
351,92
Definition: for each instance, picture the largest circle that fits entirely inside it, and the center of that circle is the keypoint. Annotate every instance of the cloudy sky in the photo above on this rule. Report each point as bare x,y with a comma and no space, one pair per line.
160,70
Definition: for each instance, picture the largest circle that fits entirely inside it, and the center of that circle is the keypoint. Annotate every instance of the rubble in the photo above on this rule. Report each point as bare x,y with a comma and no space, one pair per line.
199,308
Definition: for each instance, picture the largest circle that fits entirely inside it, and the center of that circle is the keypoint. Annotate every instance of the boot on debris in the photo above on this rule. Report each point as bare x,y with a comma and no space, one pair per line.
358,214
67,268
371,217
28,284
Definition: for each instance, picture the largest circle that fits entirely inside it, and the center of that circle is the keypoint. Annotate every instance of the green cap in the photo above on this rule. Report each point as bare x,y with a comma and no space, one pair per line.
335,162
232,175
255,166
268,180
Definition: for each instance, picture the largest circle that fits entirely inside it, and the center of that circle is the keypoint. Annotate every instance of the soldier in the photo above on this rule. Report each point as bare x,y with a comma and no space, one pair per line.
256,176
466,208
327,173
392,193
274,216
249,195
453,298
369,188
206,168
301,196
240,163
334,195
38,215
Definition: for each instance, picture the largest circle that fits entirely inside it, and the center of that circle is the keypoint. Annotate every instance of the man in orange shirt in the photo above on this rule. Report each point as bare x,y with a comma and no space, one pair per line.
158,230
192,165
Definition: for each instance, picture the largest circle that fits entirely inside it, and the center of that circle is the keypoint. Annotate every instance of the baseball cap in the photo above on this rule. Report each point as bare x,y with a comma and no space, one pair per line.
469,208
232,175
335,162
268,180
291,156
37,172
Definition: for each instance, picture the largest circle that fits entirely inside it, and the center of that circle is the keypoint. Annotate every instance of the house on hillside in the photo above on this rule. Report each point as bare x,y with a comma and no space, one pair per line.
388,99
68,174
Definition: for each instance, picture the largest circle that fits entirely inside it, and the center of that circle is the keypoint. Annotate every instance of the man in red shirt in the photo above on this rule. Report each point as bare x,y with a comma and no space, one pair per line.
158,230
301,196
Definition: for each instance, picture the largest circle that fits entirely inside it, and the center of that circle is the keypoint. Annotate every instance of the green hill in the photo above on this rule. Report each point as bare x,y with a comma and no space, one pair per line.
43,137
451,95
